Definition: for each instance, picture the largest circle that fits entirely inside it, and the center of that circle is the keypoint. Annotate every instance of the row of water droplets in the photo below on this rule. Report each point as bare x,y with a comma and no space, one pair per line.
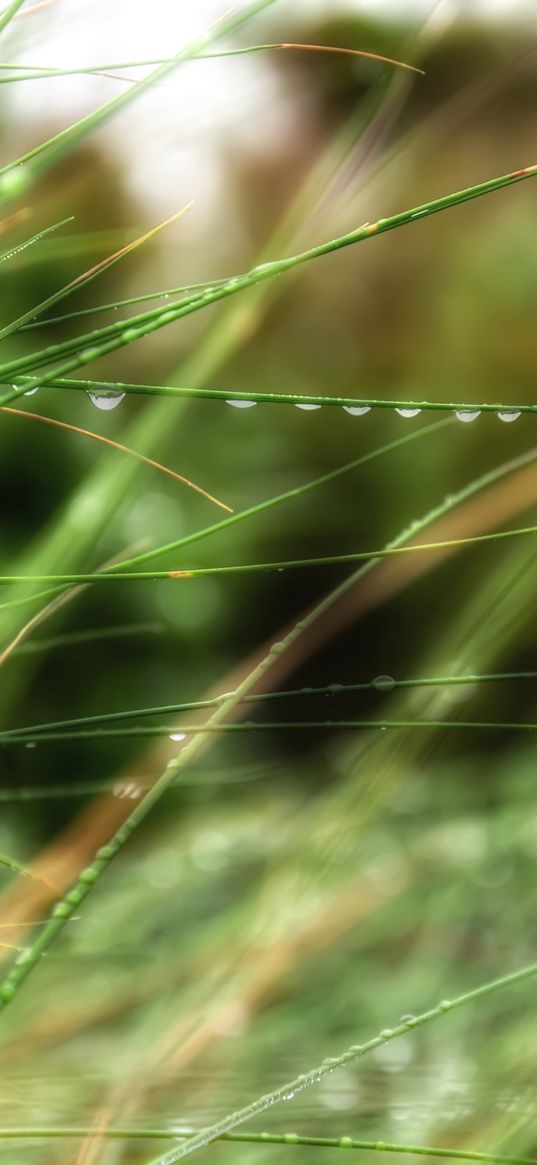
464,415
110,400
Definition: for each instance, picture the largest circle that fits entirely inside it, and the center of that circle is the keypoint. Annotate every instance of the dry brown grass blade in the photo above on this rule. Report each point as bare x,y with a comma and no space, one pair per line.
325,48
70,428
104,263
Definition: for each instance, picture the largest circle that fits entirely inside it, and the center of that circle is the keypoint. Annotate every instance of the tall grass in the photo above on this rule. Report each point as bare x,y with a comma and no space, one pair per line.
203,900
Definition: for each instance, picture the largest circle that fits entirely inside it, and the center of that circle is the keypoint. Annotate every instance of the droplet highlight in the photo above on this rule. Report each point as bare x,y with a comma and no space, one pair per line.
507,417
241,404
408,412
383,683
465,416
357,410
106,400
178,736
308,408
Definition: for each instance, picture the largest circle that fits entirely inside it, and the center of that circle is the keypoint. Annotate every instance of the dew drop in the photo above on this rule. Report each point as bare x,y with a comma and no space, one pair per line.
178,736
355,1049
446,1005
383,683
288,1095
357,410
31,391
308,408
465,416
345,1142
408,412
408,1020
106,400
241,404
508,416
290,1138
386,1033
30,744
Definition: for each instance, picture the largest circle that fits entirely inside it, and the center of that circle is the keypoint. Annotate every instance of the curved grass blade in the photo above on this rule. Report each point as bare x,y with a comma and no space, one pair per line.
39,72
111,444
264,567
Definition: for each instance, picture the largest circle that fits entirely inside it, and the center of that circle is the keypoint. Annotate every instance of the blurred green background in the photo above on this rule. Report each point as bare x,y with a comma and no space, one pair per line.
299,891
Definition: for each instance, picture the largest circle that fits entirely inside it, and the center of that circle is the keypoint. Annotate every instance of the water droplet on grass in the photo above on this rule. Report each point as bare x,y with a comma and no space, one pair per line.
357,410
508,416
31,391
408,412
384,683
241,404
106,400
464,415
178,736
308,408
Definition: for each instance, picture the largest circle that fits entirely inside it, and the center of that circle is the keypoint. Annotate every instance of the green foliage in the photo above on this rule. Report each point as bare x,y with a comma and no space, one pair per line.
188,937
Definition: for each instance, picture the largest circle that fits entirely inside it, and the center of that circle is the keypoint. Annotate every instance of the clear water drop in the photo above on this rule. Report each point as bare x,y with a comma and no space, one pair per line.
408,1020
241,404
31,391
383,683
106,400
465,416
307,408
508,416
357,410
408,412
178,736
